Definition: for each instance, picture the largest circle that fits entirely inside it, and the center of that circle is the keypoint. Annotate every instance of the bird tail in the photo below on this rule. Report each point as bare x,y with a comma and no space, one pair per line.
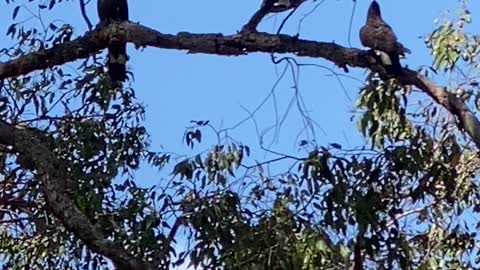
117,60
395,67
390,61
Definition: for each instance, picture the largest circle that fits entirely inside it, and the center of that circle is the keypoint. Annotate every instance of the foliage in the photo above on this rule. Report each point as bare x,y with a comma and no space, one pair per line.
405,200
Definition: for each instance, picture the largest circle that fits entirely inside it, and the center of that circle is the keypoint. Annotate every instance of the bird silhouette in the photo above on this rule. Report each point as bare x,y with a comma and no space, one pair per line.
379,36
109,11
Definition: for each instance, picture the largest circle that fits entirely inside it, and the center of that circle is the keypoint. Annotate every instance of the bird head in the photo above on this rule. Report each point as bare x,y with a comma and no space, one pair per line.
374,10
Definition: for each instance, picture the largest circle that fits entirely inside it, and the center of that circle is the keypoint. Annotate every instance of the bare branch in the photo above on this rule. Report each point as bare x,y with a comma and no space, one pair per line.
252,24
84,14
233,45
268,6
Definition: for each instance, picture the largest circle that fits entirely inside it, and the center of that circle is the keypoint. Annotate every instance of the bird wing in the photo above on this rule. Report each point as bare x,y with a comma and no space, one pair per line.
378,35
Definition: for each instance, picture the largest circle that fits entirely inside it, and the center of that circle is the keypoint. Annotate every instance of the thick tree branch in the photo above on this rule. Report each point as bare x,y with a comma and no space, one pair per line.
234,45
466,118
35,153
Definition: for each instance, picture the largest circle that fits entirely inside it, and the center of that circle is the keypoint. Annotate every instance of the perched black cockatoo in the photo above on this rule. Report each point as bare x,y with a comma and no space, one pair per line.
379,36
108,11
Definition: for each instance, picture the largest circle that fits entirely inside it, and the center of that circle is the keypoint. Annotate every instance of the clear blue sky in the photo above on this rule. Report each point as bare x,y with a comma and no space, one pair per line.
177,87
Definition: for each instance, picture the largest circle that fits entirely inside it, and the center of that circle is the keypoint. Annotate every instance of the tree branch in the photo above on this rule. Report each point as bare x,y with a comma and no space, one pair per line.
233,45
251,25
35,153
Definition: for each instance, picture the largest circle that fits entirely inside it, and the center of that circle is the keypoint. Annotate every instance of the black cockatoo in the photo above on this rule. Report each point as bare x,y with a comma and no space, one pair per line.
379,36
108,11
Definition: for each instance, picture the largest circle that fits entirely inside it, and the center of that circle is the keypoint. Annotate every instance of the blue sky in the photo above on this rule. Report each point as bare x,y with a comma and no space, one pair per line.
177,87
